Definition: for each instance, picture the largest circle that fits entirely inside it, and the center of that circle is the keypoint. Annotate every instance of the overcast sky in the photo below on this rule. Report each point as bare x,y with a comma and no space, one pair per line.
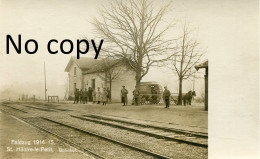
217,23
229,30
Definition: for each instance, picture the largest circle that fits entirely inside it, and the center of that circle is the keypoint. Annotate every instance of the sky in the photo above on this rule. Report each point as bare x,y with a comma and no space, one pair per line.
43,20
228,29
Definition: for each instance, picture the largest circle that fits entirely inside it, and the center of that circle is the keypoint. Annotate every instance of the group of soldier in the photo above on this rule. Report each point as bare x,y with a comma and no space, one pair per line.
104,97
91,95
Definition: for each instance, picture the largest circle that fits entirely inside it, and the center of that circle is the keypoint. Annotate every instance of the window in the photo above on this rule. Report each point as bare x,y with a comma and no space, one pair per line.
75,71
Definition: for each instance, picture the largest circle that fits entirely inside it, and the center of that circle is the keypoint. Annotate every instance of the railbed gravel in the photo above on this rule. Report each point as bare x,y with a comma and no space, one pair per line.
161,146
95,144
178,136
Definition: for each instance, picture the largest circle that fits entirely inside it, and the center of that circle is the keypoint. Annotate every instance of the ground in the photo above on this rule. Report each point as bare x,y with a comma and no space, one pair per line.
191,118
13,129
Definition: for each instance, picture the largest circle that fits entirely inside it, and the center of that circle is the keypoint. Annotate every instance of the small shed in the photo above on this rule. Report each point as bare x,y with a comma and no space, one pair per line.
197,67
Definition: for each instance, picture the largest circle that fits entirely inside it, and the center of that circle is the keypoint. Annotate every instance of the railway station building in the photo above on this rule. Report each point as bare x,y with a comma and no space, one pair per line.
103,73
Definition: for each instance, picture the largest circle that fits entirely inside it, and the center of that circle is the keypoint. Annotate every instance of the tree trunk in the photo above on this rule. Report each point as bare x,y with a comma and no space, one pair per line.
180,92
110,87
137,84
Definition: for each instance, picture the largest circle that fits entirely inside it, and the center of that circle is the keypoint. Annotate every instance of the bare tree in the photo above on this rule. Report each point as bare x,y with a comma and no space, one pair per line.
186,55
134,30
109,71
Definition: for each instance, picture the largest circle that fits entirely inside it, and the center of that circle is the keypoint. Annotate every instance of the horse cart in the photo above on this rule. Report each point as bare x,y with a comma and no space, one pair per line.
152,93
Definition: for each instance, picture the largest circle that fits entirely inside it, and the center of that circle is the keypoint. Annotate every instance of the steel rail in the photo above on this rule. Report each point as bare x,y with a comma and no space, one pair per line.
144,132
57,136
112,140
46,107
191,133
15,108
33,107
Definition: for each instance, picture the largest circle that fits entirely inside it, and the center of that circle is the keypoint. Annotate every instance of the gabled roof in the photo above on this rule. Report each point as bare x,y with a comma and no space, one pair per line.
84,63
90,65
102,65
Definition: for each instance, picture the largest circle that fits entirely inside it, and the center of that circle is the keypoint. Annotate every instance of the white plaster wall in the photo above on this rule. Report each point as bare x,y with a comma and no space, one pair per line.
126,78
98,81
74,79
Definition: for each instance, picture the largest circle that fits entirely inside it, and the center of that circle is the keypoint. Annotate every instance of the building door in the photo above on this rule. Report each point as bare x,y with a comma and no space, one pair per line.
93,83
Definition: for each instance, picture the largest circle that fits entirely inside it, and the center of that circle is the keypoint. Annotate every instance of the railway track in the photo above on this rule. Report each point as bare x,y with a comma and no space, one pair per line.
38,108
97,145
17,109
123,150
27,120
190,133
154,131
44,108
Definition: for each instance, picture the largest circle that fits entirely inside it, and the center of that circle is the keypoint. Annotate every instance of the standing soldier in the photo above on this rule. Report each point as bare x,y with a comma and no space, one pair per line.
76,99
90,94
94,94
98,96
124,93
104,96
81,96
85,96
166,97
136,97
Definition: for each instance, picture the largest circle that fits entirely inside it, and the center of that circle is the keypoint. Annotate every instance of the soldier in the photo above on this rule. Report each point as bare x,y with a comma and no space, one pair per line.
136,97
166,97
85,96
81,96
90,99
94,94
104,96
124,93
98,96
76,93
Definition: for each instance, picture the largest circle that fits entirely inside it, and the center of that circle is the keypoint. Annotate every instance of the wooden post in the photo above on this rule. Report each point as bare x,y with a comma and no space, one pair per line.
206,89
45,83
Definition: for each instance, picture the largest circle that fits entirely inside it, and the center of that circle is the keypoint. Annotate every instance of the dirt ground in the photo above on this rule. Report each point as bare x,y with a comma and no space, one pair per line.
16,136
193,118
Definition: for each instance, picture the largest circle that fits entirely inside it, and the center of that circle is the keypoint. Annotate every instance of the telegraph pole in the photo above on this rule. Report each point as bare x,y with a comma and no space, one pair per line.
45,82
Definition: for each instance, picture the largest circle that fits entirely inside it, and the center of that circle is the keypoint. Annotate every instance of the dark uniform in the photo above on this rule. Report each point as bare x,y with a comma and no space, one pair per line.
76,93
90,98
166,97
85,96
81,96
124,93
136,97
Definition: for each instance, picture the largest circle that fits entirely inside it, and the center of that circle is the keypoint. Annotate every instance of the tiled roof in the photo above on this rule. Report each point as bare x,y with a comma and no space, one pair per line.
83,63
101,66
90,65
